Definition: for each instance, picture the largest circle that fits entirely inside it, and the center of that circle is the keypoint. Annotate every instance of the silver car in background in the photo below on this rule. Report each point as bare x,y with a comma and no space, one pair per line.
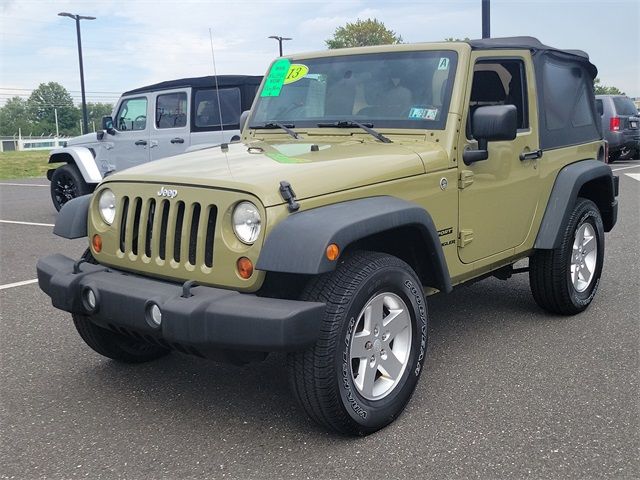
150,123
620,125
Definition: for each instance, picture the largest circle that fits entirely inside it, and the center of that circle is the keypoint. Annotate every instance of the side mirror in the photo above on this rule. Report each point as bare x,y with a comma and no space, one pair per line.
600,108
107,124
491,124
243,119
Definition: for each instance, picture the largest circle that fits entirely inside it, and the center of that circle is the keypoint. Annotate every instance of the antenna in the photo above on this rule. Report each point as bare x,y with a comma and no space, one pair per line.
215,73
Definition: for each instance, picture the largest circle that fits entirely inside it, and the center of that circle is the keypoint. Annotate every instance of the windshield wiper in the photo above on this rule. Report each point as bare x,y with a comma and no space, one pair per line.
273,125
367,127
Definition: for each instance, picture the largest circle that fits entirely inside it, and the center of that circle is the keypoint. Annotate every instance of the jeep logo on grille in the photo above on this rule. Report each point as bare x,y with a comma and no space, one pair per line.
165,192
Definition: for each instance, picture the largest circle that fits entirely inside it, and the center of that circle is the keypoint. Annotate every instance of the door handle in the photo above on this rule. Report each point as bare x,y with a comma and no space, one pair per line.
141,142
177,140
531,155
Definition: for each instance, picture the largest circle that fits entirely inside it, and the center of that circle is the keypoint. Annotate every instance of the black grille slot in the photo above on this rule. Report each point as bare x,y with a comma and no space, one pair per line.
163,229
135,235
178,233
211,230
193,235
167,230
149,232
123,222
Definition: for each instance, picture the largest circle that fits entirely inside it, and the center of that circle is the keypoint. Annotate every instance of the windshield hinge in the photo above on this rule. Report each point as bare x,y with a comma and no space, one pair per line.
289,196
466,179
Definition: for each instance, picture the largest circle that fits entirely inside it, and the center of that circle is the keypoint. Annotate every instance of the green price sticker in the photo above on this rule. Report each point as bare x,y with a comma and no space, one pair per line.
275,79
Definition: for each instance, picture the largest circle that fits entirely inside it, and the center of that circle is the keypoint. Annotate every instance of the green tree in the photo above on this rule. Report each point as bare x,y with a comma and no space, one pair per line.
451,39
362,33
43,103
14,116
600,89
95,112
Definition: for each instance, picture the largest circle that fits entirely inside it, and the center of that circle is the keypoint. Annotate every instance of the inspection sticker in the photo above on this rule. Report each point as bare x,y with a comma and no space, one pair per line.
443,64
418,113
275,80
297,71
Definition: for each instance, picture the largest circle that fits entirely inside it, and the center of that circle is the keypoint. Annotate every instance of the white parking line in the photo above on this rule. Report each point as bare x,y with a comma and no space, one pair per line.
28,223
18,284
22,185
624,168
635,176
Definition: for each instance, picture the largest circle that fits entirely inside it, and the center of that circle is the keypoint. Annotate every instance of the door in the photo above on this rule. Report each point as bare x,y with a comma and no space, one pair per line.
498,196
131,140
170,130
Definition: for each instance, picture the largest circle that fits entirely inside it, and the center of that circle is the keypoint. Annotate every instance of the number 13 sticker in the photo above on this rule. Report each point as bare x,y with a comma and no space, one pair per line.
296,72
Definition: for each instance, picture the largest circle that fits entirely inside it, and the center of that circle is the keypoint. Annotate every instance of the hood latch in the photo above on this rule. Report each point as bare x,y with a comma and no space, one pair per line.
289,196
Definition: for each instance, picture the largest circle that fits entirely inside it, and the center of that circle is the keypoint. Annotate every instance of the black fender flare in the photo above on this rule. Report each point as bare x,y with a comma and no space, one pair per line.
570,181
298,243
72,218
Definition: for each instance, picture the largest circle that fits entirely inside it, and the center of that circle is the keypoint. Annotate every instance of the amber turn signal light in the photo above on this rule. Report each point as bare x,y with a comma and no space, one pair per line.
245,267
96,243
333,251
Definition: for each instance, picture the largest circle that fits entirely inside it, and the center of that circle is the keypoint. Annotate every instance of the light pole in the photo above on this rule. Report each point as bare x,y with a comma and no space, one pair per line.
280,40
77,18
486,18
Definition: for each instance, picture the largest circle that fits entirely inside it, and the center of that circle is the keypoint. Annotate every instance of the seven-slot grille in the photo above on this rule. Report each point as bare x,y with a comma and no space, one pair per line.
178,231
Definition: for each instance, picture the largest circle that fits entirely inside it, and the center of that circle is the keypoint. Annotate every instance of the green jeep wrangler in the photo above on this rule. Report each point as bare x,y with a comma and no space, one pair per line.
366,179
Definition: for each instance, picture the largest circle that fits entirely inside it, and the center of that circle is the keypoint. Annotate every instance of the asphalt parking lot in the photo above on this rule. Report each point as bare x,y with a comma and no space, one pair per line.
508,391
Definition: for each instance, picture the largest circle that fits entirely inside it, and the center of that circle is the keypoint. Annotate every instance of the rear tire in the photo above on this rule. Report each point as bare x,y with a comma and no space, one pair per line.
361,373
565,280
114,345
66,184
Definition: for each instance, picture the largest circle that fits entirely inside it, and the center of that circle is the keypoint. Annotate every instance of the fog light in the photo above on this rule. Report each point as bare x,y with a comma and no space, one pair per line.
154,314
90,299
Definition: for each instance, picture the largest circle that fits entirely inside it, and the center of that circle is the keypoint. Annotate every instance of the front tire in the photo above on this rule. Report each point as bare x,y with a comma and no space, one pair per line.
66,184
363,369
114,345
565,280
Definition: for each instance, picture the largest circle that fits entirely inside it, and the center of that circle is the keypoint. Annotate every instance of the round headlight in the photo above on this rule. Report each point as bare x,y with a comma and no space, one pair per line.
107,206
246,222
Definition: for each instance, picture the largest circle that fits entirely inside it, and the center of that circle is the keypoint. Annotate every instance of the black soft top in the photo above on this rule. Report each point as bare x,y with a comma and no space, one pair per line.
534,45
201,82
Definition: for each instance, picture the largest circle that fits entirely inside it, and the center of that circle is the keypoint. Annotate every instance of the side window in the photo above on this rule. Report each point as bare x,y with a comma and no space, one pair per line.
207,110
132,114
499,82
171,110
599,106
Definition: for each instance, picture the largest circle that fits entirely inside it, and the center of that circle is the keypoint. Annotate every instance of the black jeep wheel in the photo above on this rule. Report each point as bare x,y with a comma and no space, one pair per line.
66,184
363,369
114,345
565,280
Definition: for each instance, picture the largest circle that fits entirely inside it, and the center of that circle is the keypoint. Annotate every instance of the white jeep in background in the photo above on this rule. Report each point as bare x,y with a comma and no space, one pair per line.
150,123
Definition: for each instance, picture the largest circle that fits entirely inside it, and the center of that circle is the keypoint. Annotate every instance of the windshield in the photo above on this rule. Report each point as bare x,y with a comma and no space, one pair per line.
394,90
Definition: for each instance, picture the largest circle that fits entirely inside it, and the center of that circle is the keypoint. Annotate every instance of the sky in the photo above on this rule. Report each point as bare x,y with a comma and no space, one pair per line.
138,42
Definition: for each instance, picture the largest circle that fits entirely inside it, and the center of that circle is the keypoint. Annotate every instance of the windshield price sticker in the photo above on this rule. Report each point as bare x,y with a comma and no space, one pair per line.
443,64
297,71
418,113
276,78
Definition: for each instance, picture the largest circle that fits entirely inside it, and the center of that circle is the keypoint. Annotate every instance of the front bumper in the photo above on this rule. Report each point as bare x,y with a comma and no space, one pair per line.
210,319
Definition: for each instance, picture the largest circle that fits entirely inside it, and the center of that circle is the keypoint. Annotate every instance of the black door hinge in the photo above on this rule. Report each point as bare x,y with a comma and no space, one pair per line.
289,196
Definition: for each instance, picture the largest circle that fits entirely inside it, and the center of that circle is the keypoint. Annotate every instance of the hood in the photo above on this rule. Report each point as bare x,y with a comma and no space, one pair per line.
82,139
259,167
